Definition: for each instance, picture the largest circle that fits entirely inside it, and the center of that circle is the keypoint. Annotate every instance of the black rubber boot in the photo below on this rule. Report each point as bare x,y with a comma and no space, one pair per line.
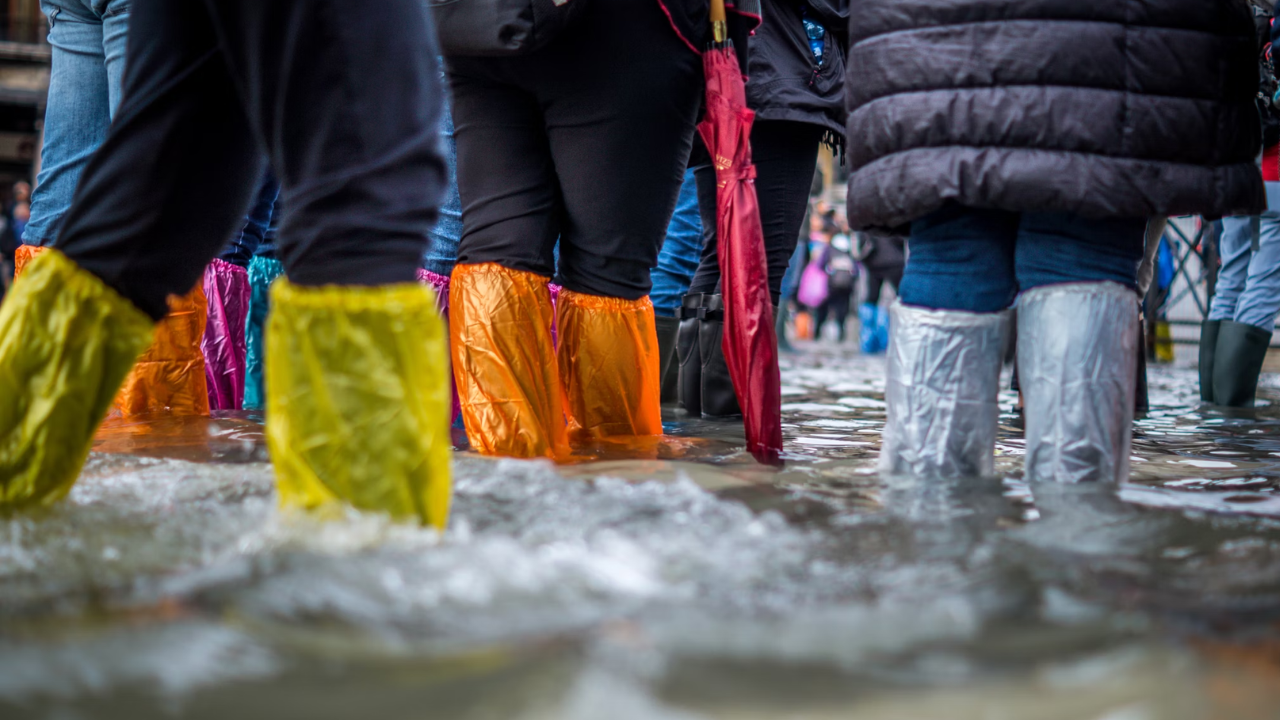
1208,349
1242,349
718,397
689,356
669,373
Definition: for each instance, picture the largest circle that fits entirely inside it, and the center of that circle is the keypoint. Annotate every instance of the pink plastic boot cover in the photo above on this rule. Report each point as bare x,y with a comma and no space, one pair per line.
227,288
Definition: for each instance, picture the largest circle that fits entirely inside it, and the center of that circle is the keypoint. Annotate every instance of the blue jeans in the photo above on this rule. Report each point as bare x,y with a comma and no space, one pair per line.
88,39
447,233
979,260
258,233
681,252
1249,282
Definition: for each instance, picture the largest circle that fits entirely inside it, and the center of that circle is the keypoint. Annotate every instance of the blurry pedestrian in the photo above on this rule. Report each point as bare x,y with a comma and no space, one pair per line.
842,281
883,259
1026,167
584,144
344,99
796,89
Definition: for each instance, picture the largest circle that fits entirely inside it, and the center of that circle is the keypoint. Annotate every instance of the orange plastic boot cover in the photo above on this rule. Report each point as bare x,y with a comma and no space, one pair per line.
609,366
23,256
170,376
504,362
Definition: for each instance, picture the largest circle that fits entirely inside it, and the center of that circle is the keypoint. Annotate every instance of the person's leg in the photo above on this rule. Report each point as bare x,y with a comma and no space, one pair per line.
181,127
701,290
869,313
820,315
115,46
681,251
1077,343
228,287
947,344
632,98
1259,303
245,243
1244,339
446,234
962,260
347,102
77,114
1235,251
840,311
785,154
263,270
677,264
501,312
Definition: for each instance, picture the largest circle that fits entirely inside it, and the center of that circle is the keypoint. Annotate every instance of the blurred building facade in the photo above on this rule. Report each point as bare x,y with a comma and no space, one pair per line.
24,85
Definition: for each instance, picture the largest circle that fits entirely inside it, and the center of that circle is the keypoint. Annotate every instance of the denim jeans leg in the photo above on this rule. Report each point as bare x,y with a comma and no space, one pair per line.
1260,302
447,233
961,259
77,115
681,252
115,35
1234,248
245,244
1059,248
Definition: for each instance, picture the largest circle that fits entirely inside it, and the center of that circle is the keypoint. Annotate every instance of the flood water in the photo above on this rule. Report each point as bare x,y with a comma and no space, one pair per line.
672,580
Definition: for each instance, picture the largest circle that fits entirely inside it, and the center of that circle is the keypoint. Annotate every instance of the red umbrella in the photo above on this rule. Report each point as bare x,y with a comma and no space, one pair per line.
750,345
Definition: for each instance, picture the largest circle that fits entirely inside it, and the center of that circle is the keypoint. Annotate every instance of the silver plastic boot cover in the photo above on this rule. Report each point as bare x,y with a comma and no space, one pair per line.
944,379
1077,364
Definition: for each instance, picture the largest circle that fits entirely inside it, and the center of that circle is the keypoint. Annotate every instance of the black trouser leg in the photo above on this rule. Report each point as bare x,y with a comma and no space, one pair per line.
585,141
840,310
875,284
344,99
785,154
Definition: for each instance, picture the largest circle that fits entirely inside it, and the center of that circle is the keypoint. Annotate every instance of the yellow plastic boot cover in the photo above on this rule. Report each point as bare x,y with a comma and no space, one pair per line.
609,364
66,343
505,363
170,376
358,399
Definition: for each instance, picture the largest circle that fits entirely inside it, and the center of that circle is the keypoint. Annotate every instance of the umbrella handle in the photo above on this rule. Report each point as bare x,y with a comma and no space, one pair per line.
719,22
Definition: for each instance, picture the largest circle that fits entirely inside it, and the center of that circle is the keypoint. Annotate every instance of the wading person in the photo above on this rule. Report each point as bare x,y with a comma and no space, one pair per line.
1026,145
344,99
581,143
796,89
88,39
1236,336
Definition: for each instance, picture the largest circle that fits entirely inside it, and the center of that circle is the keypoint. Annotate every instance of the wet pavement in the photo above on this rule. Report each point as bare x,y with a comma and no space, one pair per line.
666,580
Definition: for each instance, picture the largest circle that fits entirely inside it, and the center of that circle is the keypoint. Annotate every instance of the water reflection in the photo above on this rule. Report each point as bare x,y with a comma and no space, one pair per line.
672,578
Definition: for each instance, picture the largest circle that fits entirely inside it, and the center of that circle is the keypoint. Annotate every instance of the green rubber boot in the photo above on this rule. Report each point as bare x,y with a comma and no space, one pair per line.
1208,349
1242,349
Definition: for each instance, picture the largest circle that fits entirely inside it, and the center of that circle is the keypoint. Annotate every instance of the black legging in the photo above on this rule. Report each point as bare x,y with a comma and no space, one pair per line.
584,142
344,100
877,277
785,154
837,308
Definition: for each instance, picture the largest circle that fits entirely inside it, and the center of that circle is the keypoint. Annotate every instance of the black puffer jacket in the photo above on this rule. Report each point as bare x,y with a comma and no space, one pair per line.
1104,108
786,82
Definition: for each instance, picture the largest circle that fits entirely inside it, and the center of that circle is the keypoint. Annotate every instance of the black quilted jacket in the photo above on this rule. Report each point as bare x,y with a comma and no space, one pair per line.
1104,108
